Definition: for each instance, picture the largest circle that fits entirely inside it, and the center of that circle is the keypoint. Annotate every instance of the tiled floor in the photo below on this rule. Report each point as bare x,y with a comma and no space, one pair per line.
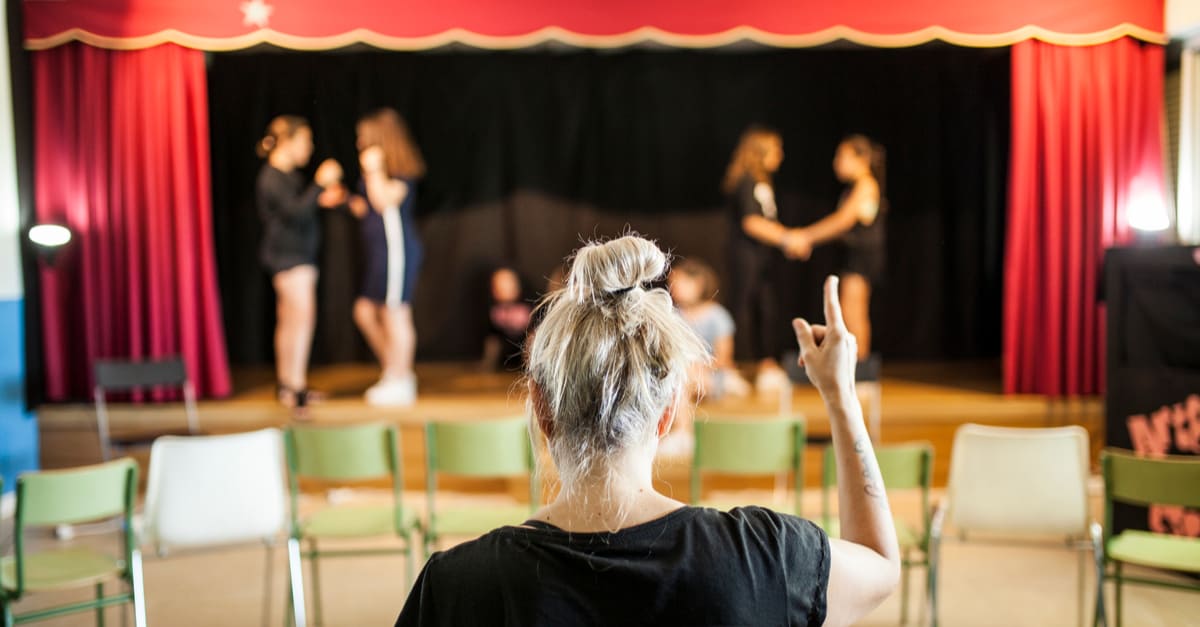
983,585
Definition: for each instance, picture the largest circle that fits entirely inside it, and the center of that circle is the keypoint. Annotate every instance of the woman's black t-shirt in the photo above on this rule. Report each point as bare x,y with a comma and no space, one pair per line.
694,566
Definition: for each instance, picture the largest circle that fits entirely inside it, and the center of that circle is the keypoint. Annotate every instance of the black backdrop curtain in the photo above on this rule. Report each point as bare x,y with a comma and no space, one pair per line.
530,151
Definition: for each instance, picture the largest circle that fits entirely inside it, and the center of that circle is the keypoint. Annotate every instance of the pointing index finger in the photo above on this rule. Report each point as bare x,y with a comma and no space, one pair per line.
833,307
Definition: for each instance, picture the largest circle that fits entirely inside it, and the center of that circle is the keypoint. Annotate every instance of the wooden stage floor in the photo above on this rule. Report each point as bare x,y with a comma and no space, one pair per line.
920,402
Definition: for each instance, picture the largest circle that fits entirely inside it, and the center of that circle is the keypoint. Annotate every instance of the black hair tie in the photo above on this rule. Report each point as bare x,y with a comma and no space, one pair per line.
621,291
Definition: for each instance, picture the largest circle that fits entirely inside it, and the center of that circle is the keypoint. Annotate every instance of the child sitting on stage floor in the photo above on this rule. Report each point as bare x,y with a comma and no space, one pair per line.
508,322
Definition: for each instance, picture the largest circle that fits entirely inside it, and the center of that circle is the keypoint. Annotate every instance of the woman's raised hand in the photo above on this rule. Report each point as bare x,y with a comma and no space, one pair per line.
828,352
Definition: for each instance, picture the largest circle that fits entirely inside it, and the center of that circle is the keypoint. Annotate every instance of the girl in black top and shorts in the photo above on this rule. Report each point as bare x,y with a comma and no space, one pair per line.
857,226
288,209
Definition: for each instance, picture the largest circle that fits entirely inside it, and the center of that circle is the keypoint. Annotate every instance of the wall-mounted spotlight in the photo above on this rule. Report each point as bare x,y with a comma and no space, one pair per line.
49,240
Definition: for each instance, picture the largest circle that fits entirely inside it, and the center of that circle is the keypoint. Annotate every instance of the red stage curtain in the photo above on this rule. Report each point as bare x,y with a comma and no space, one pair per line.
1086,147
122,157
420,24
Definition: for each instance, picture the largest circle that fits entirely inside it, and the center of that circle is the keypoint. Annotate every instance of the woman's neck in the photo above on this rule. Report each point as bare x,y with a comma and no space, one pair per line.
609,501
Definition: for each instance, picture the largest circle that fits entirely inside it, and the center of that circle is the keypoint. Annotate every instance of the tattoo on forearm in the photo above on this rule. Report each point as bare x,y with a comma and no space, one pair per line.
873,484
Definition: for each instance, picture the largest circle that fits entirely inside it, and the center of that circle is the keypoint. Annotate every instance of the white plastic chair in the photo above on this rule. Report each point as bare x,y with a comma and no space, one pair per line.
1018,482
218,491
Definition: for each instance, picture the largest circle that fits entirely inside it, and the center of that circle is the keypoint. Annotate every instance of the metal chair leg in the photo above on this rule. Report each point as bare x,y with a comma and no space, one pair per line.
931,582
137,588
1117,585
99,608
318,615
1100,617
905,571
6,612
296,584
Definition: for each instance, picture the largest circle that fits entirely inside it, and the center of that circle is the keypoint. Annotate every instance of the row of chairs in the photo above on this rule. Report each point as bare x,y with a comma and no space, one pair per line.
215,490
218,491
1003,482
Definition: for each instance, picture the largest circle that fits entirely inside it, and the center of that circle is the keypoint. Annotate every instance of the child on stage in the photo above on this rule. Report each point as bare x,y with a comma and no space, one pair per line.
288,209
391,166
693,288
858,226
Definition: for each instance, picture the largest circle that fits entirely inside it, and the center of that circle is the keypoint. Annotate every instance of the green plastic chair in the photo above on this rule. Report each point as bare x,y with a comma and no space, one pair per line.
1171,480
902,467
478,449
346,455
749,447
76,495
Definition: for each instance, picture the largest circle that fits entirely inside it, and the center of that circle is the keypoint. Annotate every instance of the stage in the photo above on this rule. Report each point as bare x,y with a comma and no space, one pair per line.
920,402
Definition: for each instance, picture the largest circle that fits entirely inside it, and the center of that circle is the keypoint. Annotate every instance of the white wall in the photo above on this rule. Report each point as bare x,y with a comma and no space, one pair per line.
1183,18
10,214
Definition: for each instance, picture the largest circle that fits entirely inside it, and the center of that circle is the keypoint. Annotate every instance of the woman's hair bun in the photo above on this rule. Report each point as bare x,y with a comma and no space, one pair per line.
613,268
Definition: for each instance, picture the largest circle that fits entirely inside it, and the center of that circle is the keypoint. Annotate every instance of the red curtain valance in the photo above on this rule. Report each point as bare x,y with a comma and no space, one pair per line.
414,25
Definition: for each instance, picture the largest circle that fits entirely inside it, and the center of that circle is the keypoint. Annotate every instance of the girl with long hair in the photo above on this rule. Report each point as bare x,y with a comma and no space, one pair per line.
858,226
755,233
391,165
288,208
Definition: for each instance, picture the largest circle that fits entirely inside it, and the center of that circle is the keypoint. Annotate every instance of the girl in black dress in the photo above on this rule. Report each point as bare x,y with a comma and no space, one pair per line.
288,209
391,167
755,234
858,227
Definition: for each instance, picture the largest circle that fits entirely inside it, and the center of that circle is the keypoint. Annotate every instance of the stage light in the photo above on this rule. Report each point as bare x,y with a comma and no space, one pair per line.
1147,210
50,235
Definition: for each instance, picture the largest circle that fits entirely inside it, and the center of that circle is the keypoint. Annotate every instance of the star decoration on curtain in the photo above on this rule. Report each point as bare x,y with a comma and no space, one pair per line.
256,13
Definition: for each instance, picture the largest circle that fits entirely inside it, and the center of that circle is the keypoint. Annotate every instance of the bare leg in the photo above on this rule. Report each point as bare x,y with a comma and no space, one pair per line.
856,308
295,291
402,341
367,315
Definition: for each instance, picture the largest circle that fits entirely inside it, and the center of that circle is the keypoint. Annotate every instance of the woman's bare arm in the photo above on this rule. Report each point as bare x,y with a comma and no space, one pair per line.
764,230
723,353
385,192
845,216
865,562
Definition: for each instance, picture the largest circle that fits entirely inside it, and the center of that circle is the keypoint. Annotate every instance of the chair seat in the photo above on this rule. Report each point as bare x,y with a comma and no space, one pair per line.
55,570
1156,550
480,520
906,536
356,522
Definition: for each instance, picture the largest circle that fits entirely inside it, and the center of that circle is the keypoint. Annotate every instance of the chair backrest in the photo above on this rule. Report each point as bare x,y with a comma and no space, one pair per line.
343,453
75,495
346,453
118,376
1167,480
769,446
902,466
484,448
1008,480
214,490
127,376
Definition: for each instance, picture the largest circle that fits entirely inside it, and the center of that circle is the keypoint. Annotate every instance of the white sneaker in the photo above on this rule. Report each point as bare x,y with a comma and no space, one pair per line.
770,380
393,392
732,384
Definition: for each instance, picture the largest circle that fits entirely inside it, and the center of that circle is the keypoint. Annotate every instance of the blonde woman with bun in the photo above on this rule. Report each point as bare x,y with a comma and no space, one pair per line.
607,371
288,208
